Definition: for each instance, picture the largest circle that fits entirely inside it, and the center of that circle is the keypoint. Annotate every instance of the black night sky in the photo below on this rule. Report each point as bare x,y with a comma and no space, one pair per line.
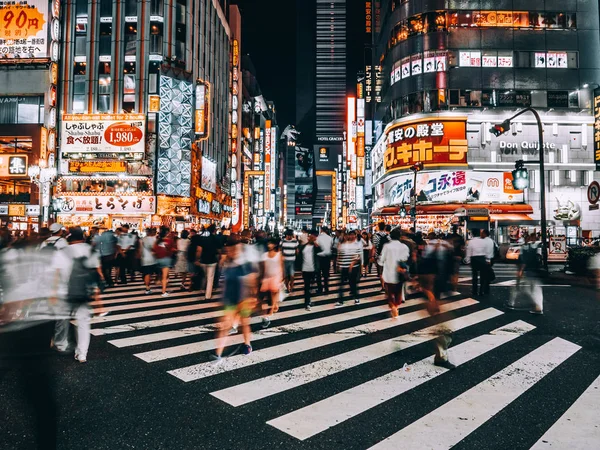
269,37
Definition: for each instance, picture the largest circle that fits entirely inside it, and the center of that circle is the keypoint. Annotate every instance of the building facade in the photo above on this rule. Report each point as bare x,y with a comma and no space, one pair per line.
29,72
144,134
453,69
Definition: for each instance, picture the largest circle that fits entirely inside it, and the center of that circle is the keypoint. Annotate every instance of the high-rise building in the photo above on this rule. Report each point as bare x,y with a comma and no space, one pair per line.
145,131
453,69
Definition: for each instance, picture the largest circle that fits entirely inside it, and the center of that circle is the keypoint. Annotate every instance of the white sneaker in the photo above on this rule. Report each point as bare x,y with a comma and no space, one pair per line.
148,291
233,331
81,359
166,294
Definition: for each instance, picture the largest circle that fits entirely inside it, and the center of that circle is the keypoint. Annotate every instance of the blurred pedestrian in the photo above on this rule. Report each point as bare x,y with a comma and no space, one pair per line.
380,238
163,251
181,264
209,253
367,249
272,277
126,245
237,295
147,259
106,244
74,286
56,241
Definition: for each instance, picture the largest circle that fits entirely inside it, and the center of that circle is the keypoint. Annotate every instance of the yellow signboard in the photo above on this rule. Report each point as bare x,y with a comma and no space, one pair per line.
16,210
97,166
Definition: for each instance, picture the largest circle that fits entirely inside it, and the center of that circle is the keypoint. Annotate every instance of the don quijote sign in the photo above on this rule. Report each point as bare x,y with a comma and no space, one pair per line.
524,147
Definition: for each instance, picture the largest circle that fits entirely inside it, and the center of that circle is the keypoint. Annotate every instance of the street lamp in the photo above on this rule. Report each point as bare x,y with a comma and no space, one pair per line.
416,168
499,129
43,177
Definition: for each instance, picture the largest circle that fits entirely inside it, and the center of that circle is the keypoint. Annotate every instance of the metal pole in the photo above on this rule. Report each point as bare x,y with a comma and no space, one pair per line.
414,201
542,183
542,193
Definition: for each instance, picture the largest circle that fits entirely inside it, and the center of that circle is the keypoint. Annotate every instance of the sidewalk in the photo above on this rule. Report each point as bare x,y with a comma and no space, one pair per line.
572,279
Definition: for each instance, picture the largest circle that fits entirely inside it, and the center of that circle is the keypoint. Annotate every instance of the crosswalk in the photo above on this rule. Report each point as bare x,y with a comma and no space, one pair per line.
328,368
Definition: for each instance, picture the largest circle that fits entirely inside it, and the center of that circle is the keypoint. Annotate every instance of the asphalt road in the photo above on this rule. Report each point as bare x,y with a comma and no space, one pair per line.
326,379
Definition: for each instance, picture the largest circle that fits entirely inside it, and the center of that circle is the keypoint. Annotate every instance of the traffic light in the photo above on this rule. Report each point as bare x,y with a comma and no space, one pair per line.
500,128
520,176
402,211
417,167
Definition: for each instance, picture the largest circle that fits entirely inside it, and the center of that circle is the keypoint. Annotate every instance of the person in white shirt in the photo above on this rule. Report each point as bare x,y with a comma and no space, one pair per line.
303,236
310,266
71,264
324,242
147,258
126,251
393,256
480,252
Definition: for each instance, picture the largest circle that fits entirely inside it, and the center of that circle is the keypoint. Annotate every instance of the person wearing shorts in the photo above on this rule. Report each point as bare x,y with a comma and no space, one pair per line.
273,275
238,303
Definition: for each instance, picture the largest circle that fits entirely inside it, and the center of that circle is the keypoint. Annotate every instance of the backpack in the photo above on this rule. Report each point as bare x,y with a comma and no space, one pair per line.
80,281
50,246
384,239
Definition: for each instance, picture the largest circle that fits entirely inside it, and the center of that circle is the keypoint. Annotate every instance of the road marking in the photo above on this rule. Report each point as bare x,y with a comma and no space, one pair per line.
455,420
195,317
154,312
579,427
251,391
203,370
318,417
197,347
157,337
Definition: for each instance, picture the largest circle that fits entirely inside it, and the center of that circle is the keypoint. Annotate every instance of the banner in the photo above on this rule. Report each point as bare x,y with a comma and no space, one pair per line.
104,204
103,133
436,143
452,187
209,175
24,29
97,166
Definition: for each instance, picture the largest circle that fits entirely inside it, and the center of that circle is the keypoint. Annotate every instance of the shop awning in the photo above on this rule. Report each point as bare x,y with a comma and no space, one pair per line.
510,218
501,209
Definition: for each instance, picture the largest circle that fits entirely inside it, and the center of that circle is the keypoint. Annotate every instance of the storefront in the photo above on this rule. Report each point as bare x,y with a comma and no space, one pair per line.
19,217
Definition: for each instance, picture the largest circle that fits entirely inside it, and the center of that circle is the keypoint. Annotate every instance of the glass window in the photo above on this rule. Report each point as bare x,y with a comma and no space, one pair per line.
81,8
539,99
104,78
105,45
79,103
28,110
130,39
156,38
106,7
573,99
8,109
80,46
558,99
156,7
103,103
523,98
129,86
131,8
488,97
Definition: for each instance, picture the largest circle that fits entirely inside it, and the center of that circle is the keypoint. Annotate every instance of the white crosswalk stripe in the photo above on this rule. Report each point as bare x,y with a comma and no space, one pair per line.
178,332
315,418
578,427
461,416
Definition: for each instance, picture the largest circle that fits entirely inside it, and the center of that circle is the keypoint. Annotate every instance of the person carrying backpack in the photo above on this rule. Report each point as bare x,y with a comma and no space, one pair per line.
56,241
74,287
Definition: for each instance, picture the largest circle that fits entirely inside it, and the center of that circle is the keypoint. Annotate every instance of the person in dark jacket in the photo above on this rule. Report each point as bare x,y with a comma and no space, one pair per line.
309,263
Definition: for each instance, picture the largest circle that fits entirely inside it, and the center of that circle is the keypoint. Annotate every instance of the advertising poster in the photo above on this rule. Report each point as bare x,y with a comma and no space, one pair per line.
304,163
24,29
452,187
103,204
209,175
304,195
103,133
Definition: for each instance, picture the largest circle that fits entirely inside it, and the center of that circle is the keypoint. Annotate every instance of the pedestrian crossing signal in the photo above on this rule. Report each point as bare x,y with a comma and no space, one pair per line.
520,175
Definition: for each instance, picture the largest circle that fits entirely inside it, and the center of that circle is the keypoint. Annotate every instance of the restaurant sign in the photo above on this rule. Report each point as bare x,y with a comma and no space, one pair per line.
105,204
597,128
440,142
97,166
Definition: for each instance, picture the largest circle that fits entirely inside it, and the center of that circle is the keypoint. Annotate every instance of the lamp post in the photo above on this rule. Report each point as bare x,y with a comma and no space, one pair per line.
416,168
43,177
502,128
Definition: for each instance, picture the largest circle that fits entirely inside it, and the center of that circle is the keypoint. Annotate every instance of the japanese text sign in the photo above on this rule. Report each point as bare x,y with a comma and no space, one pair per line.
103,133
597,128
23,29
435,143
105,204
97,166
12,165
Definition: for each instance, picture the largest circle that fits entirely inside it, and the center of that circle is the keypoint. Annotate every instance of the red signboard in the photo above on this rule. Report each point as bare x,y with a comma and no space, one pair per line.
434,142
